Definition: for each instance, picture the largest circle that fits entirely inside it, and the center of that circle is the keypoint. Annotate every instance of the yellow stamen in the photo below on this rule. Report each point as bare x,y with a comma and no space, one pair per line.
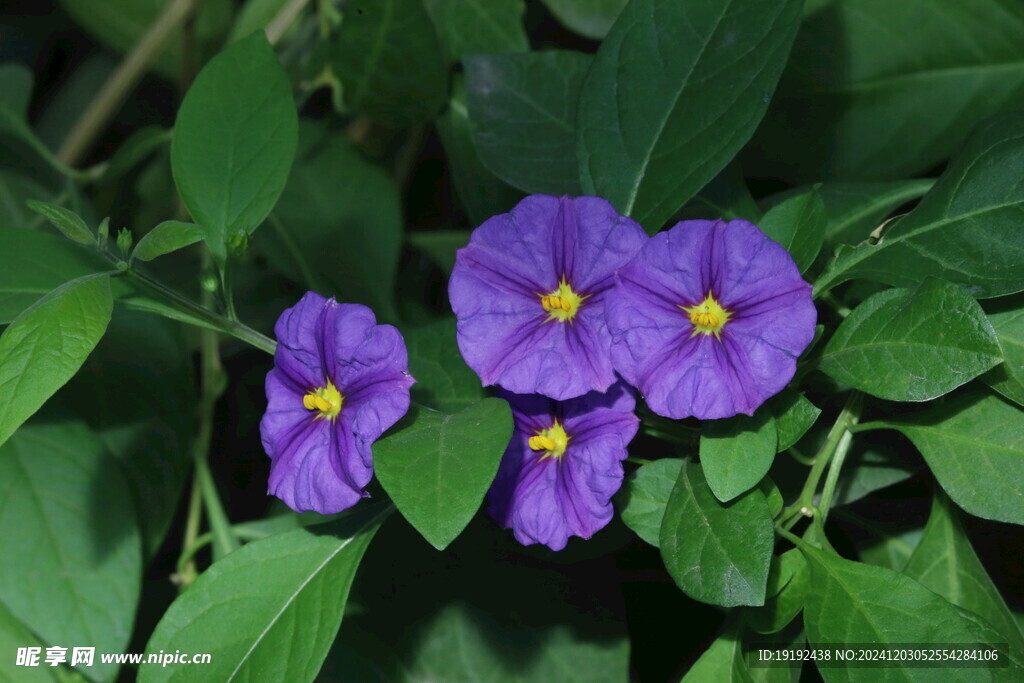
707,317
553,441
563,303
327,400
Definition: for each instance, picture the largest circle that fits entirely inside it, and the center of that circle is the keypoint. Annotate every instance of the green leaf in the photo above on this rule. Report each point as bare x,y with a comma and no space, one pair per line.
675,91
467,27
14,635
147,357
853,210
338,226
722,661
16,84
912,345
438,468
987,483
390,61
443,380
234,140
945,563
120,24
69,223
728,197
798,224
480,192
717,553
440,245
523,113
873,465
857,603
15,189
167,237
590,18
965,230
47,344
645,495
893,88
270,610
35,263
72,558
794,415
1008,378
737,452
788,581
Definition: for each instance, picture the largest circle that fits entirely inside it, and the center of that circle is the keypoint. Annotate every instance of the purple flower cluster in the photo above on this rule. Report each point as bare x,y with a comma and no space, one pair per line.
560,297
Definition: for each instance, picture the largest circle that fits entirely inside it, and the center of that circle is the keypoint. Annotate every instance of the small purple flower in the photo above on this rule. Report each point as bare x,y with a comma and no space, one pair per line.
563,465
709,319
529,293
339,380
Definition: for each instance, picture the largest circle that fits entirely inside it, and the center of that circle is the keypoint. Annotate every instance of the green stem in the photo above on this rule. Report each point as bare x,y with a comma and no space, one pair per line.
845,441
187,572
833,443
639,461
232,328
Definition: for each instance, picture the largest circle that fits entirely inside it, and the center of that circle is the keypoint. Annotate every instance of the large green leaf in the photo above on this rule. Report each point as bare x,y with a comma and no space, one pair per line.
853,210
852,602
271,610
717,553
736,453
987,481
438,468
47,344
675,91
893,88
590,18
788,581
390,61
912,345
234,140
645,495
338,226
146,357
523,113
443,380
72,558
1008,378
480,192
965,230
15,189
945,562
15,635
34,263
467,27
798,224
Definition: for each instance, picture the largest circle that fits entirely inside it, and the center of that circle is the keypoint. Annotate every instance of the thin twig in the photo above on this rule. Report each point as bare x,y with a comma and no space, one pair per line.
114,91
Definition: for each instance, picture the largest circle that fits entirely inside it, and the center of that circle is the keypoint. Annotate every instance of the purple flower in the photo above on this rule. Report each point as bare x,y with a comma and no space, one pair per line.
339,380
529,293
563,465
709,319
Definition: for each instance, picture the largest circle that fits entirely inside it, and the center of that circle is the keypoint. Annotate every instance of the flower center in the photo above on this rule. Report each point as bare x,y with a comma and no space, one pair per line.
707,317
563,303
553,441
327,400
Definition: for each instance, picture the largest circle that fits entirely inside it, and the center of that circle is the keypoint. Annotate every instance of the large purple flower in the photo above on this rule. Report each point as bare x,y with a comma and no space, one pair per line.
339,380
529,293
563,465
709,319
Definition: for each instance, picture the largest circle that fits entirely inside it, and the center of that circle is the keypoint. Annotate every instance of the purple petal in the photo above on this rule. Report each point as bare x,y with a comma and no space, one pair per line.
772,320
299,353
547,500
